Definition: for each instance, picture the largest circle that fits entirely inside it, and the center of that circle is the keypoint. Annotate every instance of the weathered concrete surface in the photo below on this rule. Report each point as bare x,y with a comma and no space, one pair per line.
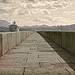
0,44
35,56
9,40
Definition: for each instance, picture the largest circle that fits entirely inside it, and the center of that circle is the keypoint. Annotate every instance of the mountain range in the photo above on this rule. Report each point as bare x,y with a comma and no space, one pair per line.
4,26
48,28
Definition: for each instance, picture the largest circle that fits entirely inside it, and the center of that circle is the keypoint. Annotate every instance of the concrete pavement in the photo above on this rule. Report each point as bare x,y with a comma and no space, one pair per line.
35,56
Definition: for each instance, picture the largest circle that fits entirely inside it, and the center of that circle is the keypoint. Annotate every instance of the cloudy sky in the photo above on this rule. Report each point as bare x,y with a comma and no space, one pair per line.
38,12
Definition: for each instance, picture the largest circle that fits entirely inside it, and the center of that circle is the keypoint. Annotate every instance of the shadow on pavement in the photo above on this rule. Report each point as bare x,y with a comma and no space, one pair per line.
68,57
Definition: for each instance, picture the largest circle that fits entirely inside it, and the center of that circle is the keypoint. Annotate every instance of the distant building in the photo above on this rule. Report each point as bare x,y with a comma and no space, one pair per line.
13,27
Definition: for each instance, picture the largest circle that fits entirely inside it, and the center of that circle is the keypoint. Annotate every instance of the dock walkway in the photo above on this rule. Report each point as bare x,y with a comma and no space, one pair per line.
35,56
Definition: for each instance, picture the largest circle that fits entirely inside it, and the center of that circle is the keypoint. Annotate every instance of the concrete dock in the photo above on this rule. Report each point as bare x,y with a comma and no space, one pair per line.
36,56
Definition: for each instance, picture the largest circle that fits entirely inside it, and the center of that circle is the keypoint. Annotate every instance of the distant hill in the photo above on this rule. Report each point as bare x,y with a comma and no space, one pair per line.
36,28
4,26
4,23
48,28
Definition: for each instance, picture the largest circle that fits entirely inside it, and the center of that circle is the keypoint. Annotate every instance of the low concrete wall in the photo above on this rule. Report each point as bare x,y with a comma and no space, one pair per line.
8,40
64,39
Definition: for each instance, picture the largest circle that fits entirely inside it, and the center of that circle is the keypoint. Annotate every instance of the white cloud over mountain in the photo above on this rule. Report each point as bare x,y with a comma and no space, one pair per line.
33,12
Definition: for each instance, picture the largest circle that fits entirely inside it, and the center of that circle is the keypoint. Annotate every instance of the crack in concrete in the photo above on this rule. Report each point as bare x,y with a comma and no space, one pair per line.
24,70
68,71
40,64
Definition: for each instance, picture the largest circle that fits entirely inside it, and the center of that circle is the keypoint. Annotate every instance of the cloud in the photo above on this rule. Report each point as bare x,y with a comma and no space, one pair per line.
67,12
49,7
52,19
57,6
29,6
31,0
52,0
3,1
36,11
3,11
23,12
36,20
45,19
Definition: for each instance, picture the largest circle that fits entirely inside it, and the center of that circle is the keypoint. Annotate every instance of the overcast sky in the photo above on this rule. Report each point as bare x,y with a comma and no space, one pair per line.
38,12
